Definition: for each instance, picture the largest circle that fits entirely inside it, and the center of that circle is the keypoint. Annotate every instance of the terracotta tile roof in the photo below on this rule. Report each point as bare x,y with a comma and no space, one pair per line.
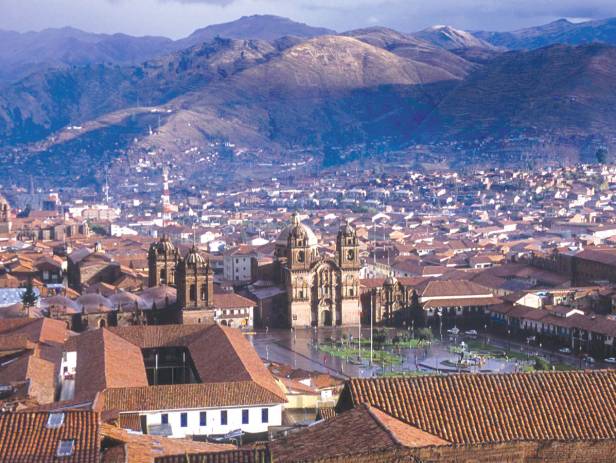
139,448
36,330
111,360
326,413
261,455
406,435
106,360
231,301
40,374
220,354
130,421
184,396
225,355
25,438
452,288
363,429
462,302
497,407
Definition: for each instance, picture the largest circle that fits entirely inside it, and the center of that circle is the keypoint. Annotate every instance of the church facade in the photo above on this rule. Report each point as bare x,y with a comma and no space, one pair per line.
320,291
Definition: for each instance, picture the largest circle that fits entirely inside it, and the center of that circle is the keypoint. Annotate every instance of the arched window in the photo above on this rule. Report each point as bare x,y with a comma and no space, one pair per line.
203,292
163,275
193,293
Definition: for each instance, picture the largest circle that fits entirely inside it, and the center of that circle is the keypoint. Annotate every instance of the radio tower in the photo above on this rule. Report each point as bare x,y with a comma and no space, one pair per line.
165,197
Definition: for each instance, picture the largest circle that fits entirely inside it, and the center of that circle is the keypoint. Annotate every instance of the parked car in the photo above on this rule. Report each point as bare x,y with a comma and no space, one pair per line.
564,350
588,359
610,360
471,333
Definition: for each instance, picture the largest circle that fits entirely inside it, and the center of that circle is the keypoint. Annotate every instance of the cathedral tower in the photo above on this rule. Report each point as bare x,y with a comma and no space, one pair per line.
347,248
195,282
5,216
162,260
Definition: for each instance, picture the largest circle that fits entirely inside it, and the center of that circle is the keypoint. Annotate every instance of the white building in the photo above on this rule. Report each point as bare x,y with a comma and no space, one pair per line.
240,264
173,380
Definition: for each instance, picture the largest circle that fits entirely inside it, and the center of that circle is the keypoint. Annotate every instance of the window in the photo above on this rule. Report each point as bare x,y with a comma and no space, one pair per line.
164,418
244,416
264,415
55,420
184,419
223,417
65,448
193,293
203,419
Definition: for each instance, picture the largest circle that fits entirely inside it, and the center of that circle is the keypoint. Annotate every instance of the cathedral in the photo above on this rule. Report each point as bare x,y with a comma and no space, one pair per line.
192,276
320,291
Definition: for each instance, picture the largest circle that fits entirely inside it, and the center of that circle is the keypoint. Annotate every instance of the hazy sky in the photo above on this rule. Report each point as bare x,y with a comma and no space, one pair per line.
177,18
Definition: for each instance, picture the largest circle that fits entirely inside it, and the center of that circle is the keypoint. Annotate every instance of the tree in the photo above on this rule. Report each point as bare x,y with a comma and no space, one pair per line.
601,155
29,297
425,334
542,364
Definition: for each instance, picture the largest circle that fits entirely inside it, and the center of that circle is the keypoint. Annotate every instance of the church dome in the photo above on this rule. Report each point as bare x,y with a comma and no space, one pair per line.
297,230
391,280
194,258
163,246
347,229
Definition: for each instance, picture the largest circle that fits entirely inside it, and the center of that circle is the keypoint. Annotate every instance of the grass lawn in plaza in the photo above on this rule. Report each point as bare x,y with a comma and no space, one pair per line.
378,356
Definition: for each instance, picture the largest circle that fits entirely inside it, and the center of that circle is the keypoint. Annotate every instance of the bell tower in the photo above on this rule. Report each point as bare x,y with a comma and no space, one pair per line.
195,282
299,251
5,216
162,260
347,248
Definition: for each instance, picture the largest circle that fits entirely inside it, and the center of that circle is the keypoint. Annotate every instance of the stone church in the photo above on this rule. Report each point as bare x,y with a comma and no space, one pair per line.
320,291
192,276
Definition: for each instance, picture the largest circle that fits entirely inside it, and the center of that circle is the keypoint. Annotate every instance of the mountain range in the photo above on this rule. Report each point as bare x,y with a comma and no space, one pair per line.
266,83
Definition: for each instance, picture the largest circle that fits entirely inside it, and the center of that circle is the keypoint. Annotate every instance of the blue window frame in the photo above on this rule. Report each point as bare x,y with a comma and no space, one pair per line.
164,418
184,420
244,416
223,417
203,419
264,415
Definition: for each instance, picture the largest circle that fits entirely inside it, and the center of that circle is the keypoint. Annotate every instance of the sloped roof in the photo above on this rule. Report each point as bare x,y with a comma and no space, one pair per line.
36,330
39,373
475,409
140,448
25,438
256,455
361,430
224,354
231,301
447,288
105,360
183,396
220,355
